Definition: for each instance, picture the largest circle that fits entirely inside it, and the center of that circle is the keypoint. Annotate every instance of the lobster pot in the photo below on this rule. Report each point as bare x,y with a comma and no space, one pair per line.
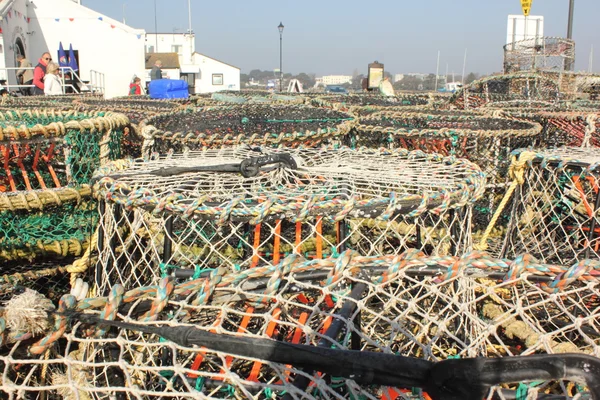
136,109
542,53
485,140
362,104
47,159
554,211
225,97
580,128
189,213
261,125
281,330
560,126
524,87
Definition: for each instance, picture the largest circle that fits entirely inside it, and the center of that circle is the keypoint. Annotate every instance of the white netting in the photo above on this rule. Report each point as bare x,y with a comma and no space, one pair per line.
539,54
523,87
157,216
429,308
554,213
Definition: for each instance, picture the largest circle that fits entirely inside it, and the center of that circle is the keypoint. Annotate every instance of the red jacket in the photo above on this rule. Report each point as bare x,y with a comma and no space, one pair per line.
134,89
38,74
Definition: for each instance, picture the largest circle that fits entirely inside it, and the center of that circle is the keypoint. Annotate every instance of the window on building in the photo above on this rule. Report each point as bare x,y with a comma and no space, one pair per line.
176,48
217,79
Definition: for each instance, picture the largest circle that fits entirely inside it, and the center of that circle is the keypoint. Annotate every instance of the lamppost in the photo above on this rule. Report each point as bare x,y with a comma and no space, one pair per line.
280,27
570,65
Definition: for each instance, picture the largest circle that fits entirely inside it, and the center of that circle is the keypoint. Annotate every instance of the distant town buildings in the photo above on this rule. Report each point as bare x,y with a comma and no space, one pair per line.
398,77
335,79
417,75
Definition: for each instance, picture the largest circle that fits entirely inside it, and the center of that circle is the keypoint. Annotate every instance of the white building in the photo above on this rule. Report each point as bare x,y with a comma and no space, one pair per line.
107,50
398,77
204,74
336,79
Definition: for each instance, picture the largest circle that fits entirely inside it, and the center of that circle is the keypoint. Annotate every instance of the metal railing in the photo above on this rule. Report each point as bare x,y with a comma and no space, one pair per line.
95,85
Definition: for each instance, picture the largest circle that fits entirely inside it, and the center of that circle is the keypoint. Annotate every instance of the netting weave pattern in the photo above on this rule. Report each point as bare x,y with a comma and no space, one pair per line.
198,211
407,305
554,212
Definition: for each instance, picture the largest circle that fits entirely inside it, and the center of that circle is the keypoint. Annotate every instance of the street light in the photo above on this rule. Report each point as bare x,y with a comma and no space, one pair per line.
280,27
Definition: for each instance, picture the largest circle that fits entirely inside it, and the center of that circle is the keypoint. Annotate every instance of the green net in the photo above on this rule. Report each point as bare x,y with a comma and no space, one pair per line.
53,230
47,158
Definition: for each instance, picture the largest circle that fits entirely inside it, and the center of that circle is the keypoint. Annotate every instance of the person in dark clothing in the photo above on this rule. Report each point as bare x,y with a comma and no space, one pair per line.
156,72
39,72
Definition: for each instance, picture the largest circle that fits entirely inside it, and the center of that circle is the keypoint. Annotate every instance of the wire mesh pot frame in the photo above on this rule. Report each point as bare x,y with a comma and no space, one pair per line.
560,128
47,159
450,129
526,86
318,329
328,202
553,204
227,98
539,54
192,138
359,104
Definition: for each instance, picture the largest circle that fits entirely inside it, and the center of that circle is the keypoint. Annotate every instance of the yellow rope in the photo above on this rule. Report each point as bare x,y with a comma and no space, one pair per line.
81,265
517,173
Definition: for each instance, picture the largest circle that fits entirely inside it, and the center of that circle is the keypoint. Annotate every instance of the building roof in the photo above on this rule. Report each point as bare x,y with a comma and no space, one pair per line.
169,60
214,59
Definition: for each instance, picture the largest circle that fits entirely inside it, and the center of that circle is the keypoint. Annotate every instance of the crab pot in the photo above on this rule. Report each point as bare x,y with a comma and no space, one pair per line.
137,110
224,98
261,125
541,53
575,128
486,141
47,159
554,212
367,103
405,305
197,211
525,86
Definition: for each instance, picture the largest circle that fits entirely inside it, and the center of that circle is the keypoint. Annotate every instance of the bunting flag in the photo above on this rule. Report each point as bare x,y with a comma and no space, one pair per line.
72,19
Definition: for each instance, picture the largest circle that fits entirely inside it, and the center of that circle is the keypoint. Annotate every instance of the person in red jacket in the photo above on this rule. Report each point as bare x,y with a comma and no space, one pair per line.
135,88
39,72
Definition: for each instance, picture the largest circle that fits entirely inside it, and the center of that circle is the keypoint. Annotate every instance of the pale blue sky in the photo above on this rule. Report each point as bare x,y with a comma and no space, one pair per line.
336,37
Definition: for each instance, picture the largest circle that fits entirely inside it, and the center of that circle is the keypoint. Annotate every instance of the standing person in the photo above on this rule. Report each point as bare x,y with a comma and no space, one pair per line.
156,72
52,85
39,72
25,74
135,87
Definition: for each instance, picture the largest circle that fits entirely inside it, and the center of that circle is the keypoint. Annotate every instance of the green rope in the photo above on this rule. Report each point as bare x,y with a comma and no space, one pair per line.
67,222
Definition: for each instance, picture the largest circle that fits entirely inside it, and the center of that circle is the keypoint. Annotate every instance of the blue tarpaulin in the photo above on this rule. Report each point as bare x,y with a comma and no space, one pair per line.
168,89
